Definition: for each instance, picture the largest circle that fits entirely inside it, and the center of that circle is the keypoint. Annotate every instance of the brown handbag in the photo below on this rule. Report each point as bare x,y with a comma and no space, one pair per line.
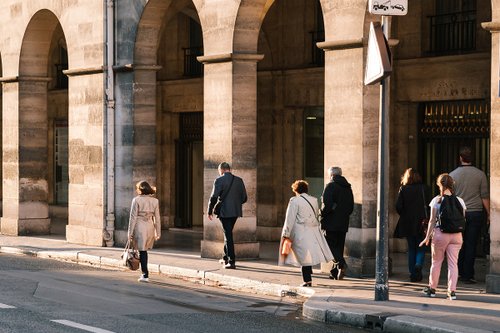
130,256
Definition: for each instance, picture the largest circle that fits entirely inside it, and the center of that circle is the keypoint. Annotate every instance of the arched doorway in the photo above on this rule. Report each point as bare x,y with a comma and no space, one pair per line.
290,109
57,112
37,176
170,78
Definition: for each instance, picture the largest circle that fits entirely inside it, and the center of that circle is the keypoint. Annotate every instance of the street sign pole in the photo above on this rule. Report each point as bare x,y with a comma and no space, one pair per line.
382,260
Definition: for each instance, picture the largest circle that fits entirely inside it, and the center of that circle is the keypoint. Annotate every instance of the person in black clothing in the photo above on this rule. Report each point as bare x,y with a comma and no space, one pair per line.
411,206
338,204
230,191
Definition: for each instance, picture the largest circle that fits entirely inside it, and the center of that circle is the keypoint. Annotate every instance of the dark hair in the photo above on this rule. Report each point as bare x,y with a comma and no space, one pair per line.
411,176
144,188
445,182
466,154
224,166
300,186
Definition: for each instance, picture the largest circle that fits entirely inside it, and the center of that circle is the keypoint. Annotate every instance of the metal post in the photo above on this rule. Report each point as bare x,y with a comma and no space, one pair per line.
381,269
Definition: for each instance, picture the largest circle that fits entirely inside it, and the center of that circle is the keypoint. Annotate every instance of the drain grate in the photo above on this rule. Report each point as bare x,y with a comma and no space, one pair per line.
376,321
289,293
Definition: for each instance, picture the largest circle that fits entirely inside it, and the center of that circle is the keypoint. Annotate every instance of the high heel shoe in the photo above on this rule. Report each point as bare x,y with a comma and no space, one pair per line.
306,284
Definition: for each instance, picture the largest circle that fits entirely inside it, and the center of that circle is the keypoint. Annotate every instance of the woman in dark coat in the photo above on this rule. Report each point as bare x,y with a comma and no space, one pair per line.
411,207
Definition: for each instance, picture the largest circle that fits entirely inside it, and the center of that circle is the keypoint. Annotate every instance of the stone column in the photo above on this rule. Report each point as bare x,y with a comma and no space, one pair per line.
230,135
145,102
25,159
493,278
349,104
86,211
136,131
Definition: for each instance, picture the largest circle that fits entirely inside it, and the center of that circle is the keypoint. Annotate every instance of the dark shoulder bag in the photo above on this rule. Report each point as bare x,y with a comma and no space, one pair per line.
218,204
424,223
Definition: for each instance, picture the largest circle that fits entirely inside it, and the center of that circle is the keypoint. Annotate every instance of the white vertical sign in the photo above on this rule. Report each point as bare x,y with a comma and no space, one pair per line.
378,59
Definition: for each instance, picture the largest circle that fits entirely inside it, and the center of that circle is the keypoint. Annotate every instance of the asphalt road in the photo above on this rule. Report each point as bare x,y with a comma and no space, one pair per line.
40,295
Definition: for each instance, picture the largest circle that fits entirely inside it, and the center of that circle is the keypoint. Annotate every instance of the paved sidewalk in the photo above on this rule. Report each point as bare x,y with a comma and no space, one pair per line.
349,301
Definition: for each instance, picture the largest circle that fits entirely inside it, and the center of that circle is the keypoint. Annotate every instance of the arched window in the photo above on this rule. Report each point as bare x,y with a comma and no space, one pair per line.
192,67
318,35
453,27
61,65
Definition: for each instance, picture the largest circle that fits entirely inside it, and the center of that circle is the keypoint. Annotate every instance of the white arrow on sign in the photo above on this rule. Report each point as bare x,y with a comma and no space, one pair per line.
378,57
388,7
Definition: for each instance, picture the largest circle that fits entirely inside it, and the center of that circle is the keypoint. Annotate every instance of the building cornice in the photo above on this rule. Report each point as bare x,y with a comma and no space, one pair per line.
491,26
10,79
341,44
83,71
227,57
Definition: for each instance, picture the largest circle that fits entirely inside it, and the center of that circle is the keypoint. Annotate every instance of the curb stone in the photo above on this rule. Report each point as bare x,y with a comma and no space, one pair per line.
314,310
409,324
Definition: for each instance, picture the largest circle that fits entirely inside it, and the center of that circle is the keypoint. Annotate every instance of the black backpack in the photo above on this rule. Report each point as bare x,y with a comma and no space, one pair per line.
451,215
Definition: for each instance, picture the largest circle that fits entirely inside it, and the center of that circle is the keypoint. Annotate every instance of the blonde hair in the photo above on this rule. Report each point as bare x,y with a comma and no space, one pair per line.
410,176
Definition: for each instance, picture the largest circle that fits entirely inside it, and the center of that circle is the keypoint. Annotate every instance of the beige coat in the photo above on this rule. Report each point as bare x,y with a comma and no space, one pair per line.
144,223
309,246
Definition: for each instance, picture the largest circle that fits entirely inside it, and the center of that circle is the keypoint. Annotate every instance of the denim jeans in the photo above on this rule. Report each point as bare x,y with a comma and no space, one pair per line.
416,254
467,256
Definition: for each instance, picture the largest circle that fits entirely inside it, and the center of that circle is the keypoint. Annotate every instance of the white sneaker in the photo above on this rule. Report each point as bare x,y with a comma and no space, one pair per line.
143,279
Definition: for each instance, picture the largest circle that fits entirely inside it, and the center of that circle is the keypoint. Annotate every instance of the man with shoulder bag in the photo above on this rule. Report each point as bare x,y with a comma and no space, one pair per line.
226,200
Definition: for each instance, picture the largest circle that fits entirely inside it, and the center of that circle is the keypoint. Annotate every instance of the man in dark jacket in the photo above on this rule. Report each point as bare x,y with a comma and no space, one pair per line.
230,191
338,204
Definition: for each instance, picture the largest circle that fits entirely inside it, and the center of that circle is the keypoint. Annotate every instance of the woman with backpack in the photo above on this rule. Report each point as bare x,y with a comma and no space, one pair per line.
445,225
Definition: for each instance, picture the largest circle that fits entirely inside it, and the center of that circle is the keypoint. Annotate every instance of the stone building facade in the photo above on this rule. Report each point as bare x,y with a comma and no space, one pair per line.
99,94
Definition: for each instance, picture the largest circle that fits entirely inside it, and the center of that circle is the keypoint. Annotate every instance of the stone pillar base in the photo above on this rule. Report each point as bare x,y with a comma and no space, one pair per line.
83,235
215,250
25,227
493,283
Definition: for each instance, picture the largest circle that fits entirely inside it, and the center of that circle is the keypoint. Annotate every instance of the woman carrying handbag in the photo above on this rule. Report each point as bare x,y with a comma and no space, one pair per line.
303,244
144,224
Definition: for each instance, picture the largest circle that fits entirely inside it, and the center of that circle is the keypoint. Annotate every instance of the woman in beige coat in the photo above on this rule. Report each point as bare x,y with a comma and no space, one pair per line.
144,224
309,246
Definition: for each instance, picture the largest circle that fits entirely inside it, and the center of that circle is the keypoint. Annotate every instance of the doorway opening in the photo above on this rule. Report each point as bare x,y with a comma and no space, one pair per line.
446,126
314,138
189,171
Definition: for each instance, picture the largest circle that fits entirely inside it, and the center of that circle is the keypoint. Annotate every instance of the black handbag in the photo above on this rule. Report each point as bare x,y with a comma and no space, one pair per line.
218,204
424,223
